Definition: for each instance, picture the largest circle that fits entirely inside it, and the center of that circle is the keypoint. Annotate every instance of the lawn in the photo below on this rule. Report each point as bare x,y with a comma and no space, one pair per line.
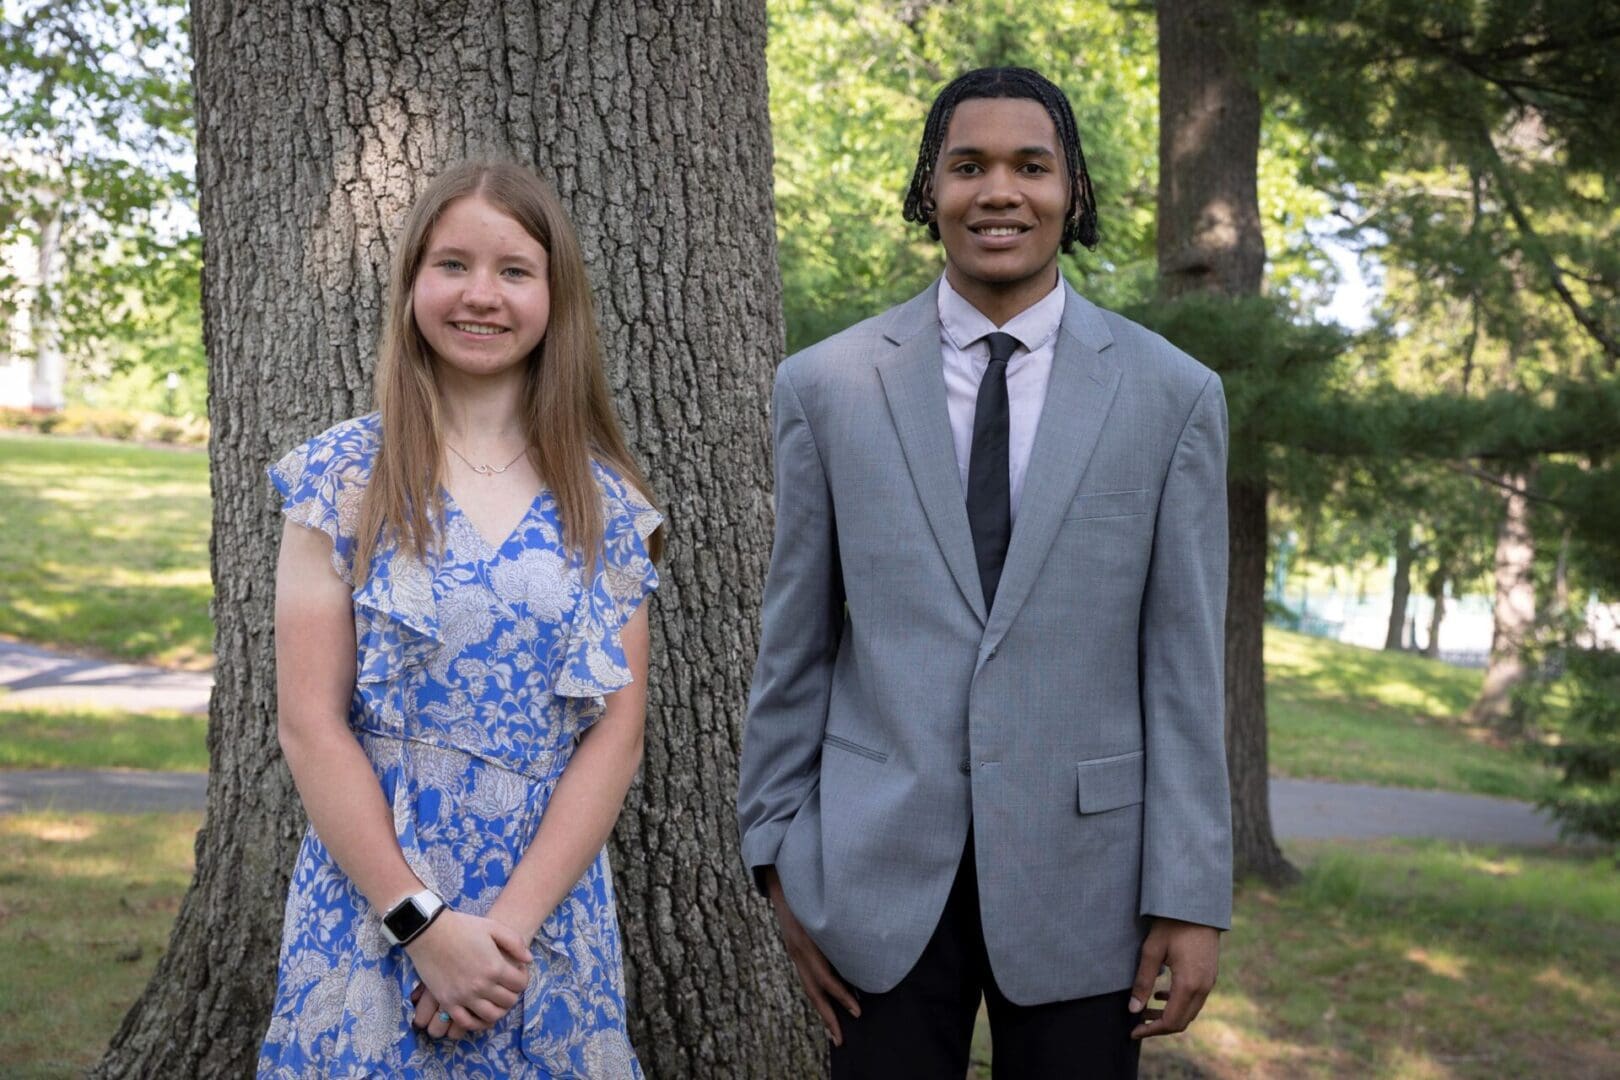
58,737
1339,712
1400,959
104,548
1412,960
86,901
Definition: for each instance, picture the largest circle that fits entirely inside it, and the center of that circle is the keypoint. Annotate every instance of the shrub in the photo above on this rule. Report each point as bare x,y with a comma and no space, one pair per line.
1587,797
124,424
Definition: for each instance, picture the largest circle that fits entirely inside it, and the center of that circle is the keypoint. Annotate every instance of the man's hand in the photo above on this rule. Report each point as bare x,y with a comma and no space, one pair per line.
1192,953
821,985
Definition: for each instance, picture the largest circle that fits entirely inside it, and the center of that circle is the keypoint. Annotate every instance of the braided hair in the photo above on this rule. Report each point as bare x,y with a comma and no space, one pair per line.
1080,221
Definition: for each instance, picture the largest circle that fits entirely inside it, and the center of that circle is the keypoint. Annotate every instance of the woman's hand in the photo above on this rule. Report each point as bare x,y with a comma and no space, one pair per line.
473,969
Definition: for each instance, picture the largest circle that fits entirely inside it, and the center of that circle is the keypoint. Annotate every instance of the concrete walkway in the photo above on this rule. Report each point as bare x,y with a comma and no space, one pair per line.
33,676
113,791
1318,810
1300,809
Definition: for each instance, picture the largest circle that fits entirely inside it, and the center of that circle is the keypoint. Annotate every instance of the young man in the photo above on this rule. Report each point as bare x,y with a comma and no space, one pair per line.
984,751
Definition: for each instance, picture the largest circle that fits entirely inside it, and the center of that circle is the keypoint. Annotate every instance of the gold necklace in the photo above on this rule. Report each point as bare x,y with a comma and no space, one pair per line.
487,470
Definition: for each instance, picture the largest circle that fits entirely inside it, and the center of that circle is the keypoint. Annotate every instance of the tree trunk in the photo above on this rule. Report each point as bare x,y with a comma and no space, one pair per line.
44,331
1437,612
317,124
1210,241
1514,612
1401,586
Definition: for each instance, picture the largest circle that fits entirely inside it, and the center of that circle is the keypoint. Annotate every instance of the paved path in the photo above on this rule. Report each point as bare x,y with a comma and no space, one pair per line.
1303,809
119,791
1318,810
33,676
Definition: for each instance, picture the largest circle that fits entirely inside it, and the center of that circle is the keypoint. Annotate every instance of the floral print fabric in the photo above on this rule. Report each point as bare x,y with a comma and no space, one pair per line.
474,681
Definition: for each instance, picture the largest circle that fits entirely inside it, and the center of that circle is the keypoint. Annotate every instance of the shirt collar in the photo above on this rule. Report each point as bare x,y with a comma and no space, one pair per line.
965,324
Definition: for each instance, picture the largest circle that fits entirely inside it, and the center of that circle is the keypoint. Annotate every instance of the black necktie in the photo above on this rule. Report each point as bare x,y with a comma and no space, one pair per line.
989,491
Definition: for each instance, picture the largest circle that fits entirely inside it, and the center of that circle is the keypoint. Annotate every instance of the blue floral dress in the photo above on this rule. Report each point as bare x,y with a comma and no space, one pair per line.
475,679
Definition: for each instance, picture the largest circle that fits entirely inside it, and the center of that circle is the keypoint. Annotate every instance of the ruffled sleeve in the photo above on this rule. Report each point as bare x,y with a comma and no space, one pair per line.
322,482
594,663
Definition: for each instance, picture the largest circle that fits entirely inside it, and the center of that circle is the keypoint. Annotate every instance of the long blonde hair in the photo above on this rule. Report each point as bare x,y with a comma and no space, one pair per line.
567,414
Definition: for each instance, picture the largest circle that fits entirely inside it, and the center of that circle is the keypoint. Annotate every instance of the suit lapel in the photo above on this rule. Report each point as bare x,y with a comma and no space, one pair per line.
914,383
1078,395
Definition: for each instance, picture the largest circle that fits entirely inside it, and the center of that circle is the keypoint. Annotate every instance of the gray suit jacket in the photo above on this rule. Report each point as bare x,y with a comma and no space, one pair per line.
1077,725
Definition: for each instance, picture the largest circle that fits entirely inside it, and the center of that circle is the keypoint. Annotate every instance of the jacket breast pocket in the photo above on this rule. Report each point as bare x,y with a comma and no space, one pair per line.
1108,783
1107,504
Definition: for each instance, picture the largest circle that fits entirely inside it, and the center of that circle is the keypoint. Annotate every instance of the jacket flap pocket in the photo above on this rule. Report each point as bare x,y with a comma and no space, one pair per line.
1109,504
1110,782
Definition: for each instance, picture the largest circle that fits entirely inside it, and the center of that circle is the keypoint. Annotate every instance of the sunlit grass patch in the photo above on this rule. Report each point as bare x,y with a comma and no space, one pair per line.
1340,712
104,547
86,902
1417,959
58,737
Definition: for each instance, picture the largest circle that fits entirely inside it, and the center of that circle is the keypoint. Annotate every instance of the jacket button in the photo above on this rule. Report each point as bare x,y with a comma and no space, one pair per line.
967,769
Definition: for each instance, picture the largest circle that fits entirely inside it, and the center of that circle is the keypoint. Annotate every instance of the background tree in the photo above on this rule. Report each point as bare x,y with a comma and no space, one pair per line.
1210,241
317,125
95,155
1475,160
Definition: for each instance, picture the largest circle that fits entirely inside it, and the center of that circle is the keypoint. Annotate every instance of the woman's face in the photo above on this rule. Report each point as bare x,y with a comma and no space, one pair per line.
482,296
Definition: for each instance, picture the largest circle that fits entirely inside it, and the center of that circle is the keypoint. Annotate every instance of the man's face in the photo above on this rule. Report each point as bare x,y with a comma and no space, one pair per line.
1001,192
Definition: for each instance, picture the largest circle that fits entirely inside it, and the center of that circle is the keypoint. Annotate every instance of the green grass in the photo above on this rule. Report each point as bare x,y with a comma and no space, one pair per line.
1339,712
1412,960
86,902
78,738
104,548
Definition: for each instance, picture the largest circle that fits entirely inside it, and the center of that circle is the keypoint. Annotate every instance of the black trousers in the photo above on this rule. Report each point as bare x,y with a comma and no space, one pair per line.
923,1028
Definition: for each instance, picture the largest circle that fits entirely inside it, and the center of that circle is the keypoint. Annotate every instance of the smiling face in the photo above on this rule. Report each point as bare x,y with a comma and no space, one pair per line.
1001,193
481,298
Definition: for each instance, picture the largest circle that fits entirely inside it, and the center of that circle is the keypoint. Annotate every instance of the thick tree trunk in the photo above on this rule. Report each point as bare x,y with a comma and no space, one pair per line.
317,124
1210,241
1437,612
1514,611
1401,587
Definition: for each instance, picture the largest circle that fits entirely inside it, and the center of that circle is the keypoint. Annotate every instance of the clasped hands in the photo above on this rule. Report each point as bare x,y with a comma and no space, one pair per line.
473,969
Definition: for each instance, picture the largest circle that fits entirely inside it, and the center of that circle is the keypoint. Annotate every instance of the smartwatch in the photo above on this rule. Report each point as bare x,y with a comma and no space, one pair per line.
407,919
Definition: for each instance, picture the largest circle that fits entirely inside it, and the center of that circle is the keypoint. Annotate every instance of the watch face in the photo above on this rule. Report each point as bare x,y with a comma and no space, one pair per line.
406,920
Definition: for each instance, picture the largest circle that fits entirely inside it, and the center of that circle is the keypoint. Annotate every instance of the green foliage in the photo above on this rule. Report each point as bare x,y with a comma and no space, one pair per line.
851,82
96,136
1587,720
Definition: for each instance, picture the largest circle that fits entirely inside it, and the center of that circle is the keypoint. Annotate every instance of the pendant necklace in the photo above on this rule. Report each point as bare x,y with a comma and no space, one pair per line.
487,470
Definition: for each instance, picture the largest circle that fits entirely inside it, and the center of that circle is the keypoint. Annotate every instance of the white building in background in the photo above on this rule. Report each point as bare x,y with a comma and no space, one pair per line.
33,370
21,260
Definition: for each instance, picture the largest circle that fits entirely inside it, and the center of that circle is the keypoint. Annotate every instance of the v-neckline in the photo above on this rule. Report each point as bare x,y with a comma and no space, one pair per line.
511,534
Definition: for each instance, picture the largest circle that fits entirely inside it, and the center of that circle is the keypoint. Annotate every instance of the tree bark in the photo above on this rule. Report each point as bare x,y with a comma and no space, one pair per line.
1401,587
1209,240
317,124
1513,612
1437,612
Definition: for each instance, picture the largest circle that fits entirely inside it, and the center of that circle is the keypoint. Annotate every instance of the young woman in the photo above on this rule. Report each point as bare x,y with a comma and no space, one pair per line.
461,655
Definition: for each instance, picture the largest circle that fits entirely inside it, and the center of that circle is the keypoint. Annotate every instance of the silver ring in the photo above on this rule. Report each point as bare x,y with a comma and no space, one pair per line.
444,1017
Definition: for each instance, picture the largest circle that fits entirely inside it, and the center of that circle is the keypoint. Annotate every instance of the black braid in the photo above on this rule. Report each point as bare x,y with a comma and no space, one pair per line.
1080,223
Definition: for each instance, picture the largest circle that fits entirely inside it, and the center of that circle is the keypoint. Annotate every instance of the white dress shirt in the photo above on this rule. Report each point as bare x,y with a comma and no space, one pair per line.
962,328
